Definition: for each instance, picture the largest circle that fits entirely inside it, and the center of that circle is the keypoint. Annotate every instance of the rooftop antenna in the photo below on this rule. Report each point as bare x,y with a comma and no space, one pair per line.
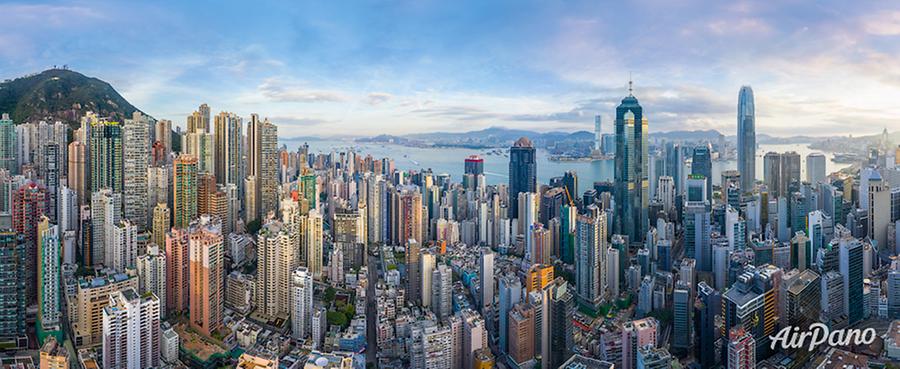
630,87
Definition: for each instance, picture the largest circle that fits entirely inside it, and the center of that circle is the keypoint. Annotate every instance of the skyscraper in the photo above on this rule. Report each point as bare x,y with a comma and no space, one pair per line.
8,156
486,276
590,250
815,168
277,261
206,275
558,309
12,289
701,164
152,275
29,204
107,166
184,189
177,270
301,303
631,170
229,150
49,277
746,132
131,330
77,168
441,291
136,151
522,173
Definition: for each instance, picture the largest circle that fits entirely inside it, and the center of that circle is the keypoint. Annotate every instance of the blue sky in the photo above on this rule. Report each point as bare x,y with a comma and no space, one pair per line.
370,67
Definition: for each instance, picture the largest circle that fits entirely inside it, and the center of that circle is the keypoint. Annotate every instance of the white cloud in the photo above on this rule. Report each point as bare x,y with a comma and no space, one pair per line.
279,90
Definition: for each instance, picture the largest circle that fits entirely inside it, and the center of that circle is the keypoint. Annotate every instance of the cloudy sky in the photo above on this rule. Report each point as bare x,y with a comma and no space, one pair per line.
369,67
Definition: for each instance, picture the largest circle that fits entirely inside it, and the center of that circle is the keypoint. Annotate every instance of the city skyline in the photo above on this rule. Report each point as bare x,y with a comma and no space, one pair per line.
401,68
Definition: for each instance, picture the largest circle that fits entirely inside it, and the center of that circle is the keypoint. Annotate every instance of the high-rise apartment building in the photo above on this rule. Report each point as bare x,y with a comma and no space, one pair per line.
107,164
136,152
152,274
131,335
301,303
184,191
207,275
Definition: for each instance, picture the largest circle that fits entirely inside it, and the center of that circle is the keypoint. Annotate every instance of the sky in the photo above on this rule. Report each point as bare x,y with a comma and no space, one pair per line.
350,68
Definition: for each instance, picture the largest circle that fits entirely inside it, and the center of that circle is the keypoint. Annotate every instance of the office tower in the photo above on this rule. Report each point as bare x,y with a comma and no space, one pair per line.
522,172
309,187
815,168
136,152
301,305
665,193
893,293
520,333
121,245
697,234
879,205
558,309
278,259
590,246
426,268
568,221
430,346
131,331
29,204
834,312
486,276
91,297
802,300
741,352
746,133
206,275
781,170
683,324
406,212
701,164
229,149
552,202
695,188
510,295
106,156
184,191
635,335
750,302
851,268
77,171
570,182
151,268
311,238
48,278
12,289
162,219
707,308
631,170
53,355
8,152
528,216
474,165
441,291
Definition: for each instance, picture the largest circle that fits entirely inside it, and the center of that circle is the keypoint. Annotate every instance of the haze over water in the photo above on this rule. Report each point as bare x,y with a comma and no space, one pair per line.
496,167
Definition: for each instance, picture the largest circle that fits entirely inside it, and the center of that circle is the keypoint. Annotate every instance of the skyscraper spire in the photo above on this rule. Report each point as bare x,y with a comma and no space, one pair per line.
630,85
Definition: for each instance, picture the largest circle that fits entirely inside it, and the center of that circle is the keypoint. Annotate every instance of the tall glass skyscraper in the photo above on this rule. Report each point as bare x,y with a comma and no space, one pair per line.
631,169
746,136
522,173
701,163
